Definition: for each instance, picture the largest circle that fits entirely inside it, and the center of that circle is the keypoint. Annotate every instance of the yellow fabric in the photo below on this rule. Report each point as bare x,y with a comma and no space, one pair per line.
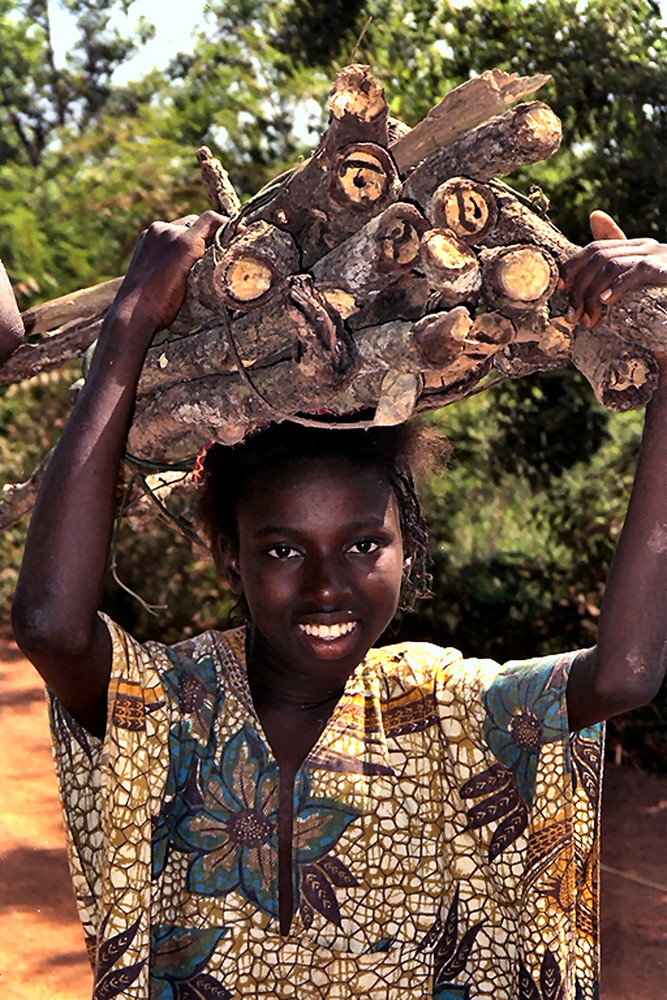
445,833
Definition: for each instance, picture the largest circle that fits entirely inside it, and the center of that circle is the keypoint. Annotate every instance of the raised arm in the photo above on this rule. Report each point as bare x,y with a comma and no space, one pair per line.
11,324
627,666
55,607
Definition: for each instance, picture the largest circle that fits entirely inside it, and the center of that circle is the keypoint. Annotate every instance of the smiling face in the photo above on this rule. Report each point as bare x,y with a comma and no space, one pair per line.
320,562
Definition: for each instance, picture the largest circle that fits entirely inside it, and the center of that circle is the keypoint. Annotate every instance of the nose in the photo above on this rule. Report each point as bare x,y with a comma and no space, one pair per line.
326,581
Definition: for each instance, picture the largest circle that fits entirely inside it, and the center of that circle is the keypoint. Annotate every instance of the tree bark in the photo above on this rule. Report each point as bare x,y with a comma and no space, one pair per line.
623,376
462,109
451,267
527,133
60,347
219,188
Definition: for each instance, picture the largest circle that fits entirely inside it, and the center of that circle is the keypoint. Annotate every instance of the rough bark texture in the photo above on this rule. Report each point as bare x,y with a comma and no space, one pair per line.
463,108
623,376
528,133
219,188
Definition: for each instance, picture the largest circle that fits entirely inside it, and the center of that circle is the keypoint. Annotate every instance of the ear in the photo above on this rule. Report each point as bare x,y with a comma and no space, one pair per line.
407,565
228,561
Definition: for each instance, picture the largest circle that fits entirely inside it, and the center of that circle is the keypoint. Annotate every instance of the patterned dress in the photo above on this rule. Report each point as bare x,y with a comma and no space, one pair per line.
445,832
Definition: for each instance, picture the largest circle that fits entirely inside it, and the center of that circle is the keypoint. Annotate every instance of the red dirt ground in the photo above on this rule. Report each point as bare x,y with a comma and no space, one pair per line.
42,956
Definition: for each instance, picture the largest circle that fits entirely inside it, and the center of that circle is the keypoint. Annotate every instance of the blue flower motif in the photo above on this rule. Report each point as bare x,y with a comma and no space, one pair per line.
233,834
178,957
523,711
180,795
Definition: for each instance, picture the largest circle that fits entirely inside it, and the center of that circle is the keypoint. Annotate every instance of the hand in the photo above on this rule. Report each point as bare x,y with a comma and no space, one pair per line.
604,271
154,287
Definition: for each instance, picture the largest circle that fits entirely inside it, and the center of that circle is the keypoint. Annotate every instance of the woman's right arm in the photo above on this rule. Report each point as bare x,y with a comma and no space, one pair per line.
55,616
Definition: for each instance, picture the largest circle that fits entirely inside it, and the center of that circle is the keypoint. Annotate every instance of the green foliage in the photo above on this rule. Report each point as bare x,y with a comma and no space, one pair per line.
524,530
39,95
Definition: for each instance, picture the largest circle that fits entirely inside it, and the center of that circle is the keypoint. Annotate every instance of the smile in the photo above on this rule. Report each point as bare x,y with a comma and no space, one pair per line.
328,632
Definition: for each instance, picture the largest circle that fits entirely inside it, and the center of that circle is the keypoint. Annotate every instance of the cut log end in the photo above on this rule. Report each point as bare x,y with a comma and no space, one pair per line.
518,277
441,337
356,92
399,235
363,175
451,267
623,376
464,206
254,262
538,129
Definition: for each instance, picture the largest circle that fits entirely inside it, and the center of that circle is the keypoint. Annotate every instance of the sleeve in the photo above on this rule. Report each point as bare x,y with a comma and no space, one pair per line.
110,790
528,800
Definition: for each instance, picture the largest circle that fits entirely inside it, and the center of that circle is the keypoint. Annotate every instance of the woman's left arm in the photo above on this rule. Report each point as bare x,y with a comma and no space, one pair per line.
626,668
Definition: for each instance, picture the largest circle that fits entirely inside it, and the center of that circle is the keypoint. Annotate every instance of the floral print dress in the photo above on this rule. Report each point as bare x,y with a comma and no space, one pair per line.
445,840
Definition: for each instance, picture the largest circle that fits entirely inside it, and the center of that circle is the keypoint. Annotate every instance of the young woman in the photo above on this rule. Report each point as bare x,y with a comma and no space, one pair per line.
283,810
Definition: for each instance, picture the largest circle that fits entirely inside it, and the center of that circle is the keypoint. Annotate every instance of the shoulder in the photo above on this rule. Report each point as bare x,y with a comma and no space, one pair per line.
210,652
424,664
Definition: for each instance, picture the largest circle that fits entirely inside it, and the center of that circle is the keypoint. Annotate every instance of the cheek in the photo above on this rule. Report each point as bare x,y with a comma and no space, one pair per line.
386,580
266,586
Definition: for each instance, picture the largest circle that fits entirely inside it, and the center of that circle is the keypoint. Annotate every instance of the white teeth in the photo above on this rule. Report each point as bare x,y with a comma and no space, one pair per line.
328,631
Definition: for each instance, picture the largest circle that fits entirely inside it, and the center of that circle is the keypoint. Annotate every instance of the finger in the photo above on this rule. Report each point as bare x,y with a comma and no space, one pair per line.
186,220
637,276
595,273
207,224
603,226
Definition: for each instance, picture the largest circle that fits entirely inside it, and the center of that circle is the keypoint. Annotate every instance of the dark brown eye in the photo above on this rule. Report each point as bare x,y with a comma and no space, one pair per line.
282,552
364,546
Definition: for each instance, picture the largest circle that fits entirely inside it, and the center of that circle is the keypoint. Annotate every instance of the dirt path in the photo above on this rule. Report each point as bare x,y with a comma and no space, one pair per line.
42,956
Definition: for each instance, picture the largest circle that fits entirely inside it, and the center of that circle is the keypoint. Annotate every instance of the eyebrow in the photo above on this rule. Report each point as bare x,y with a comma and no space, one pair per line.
368,524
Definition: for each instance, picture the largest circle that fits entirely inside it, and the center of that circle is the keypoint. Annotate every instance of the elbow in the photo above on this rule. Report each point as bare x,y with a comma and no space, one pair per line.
633,686
38,631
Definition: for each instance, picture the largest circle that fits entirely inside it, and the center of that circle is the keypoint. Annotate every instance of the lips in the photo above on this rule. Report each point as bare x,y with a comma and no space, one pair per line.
327,632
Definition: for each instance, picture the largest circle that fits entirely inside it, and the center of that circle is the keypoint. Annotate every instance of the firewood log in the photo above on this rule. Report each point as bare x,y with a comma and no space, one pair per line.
385,248
219,188
250,267
527,133
641,317
452,269
623,376
350,178
465,206
518,277
462,109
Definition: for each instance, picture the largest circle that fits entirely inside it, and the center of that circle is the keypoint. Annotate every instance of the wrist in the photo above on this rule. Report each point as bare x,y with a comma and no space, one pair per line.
130,318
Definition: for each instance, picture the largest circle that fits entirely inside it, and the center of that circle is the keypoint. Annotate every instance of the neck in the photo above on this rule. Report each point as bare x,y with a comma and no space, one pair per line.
273,685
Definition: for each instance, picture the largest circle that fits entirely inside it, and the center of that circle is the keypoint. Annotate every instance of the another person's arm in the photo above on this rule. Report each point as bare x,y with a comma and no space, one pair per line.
11,324
55,608
627,666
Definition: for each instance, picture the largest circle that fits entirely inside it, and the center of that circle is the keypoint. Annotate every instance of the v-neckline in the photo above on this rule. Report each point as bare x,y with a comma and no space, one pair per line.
237,640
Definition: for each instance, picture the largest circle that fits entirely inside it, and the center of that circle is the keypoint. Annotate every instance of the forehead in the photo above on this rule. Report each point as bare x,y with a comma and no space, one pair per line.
329,492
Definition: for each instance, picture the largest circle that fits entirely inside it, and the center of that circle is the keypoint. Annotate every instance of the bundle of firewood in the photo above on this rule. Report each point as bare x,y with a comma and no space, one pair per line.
391,272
